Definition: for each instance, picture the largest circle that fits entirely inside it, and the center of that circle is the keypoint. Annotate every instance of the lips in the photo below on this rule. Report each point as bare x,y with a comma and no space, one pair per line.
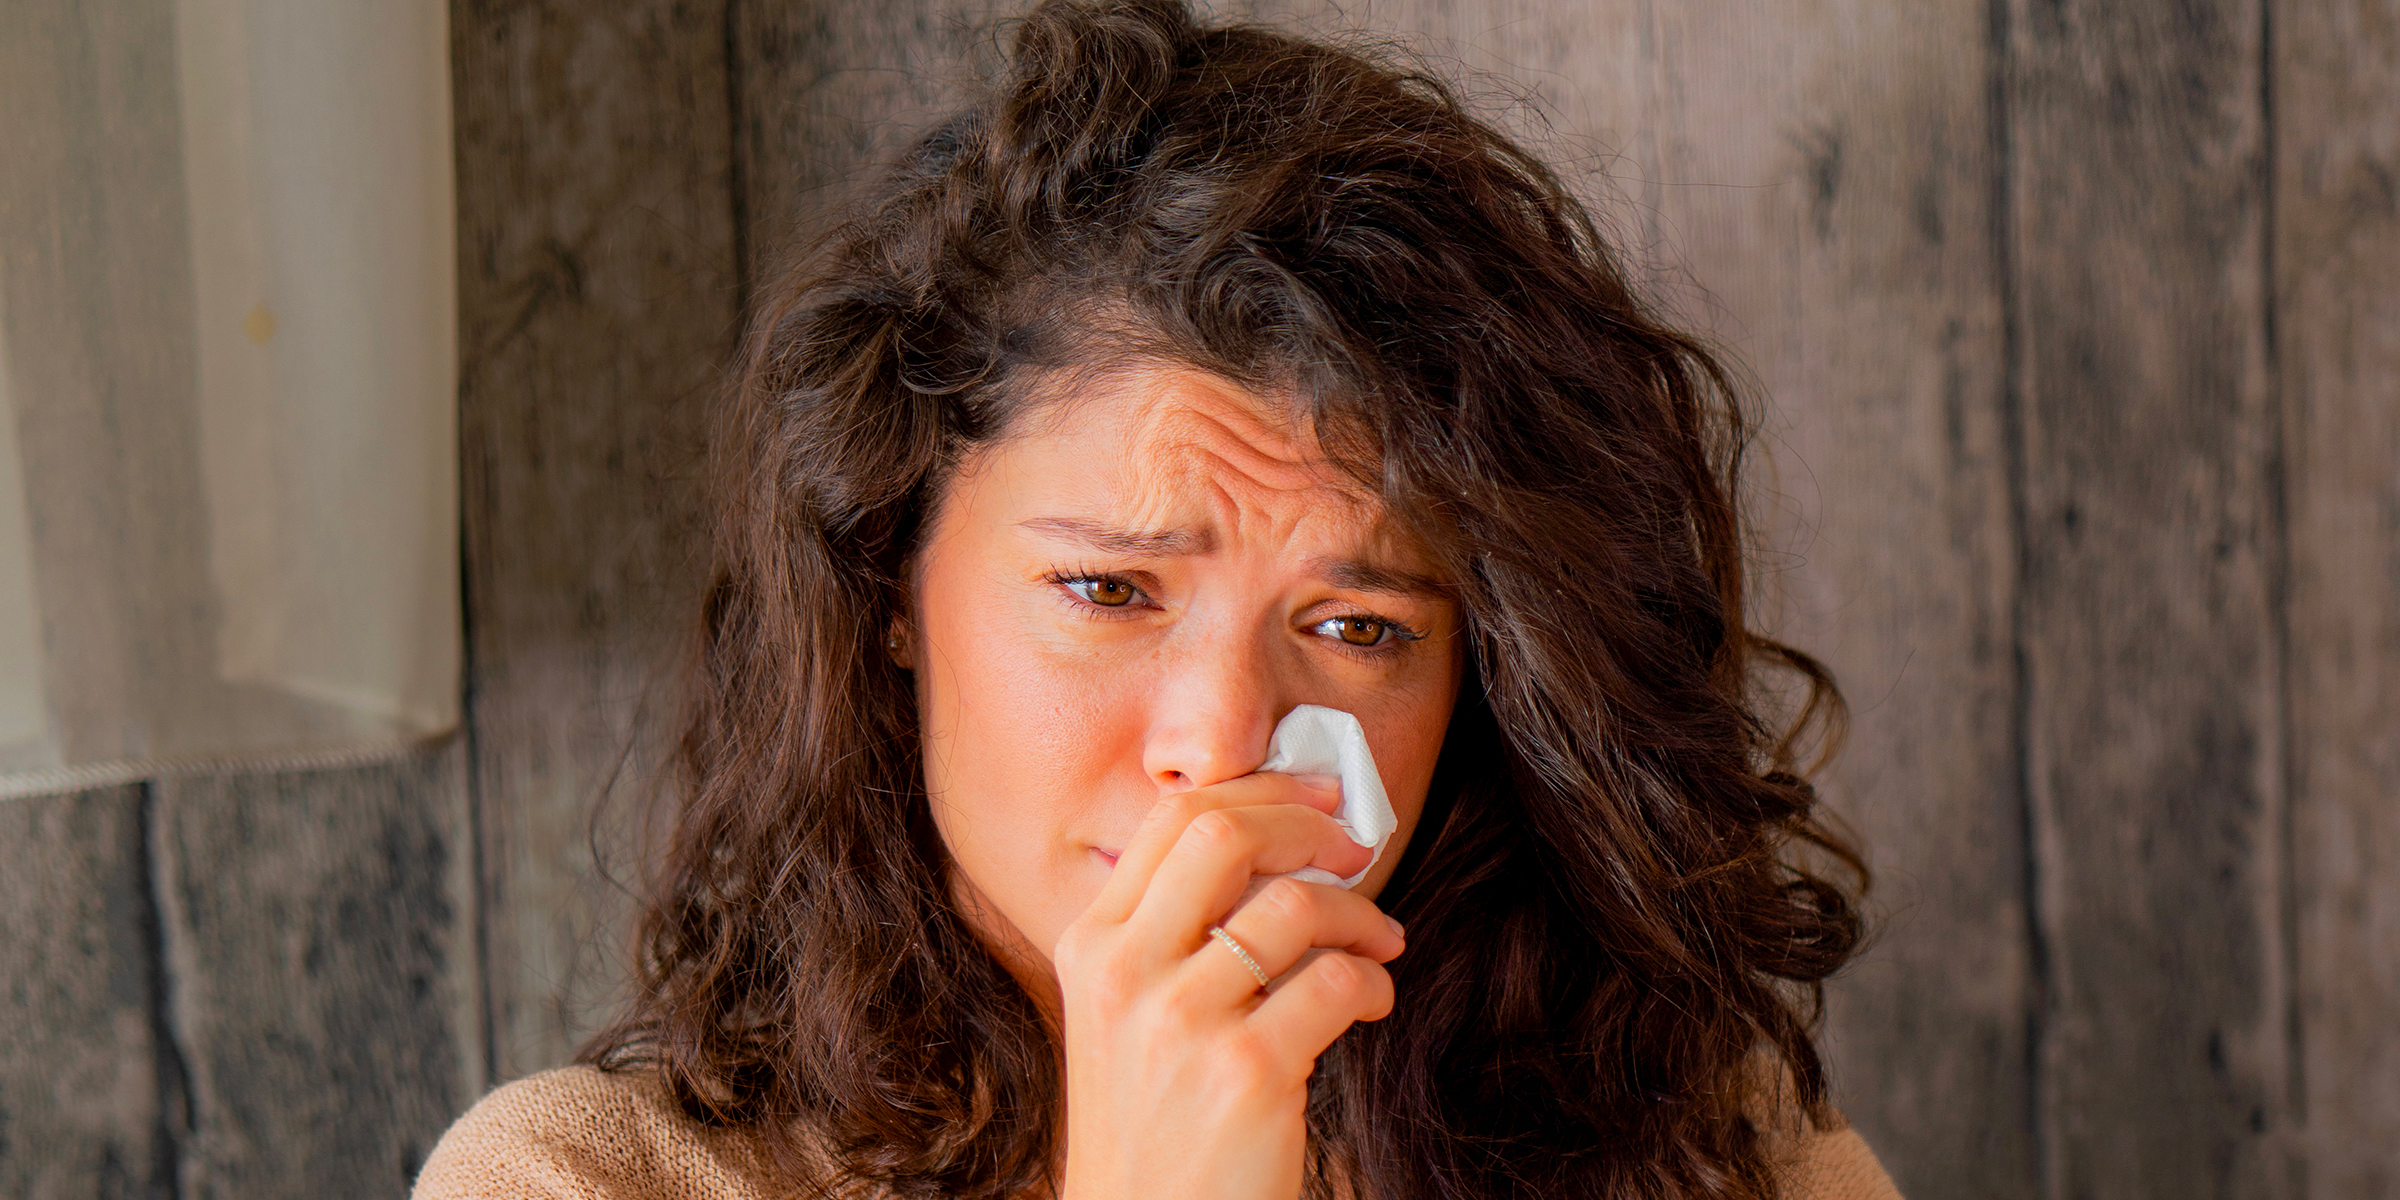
1110,855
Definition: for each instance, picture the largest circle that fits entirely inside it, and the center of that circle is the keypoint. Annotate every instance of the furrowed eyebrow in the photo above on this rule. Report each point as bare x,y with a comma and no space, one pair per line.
1107,539
1367,577
1351,573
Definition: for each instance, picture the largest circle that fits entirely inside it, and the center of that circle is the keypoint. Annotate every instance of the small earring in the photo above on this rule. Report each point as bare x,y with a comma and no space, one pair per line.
892,643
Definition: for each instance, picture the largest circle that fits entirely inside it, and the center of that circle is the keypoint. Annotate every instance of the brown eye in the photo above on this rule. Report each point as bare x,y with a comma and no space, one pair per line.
1107,593
1360,631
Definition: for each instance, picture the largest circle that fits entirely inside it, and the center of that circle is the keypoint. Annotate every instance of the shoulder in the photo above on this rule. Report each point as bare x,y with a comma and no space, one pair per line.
1816,1162
580,1133
1833,1164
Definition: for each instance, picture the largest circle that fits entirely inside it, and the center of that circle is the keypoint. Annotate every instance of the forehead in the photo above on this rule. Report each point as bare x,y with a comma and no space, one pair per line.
1159,446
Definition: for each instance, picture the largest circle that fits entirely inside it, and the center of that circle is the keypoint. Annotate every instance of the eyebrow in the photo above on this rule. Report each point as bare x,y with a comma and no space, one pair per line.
1107,539
1367,577
1354,574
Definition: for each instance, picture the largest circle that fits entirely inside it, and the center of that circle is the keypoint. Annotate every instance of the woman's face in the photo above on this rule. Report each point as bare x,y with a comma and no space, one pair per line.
1120,601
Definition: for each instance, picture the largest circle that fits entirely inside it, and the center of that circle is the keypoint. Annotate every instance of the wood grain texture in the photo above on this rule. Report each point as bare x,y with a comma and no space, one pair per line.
597,300
89,1087
2150,539
1822,172
2336,105
826,90
322,969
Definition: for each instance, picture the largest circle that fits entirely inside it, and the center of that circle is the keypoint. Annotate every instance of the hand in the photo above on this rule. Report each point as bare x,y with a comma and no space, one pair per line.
1183,1079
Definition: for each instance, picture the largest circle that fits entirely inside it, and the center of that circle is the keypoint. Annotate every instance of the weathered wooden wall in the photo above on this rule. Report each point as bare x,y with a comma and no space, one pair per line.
598,299
2333,170
2079,327
245,986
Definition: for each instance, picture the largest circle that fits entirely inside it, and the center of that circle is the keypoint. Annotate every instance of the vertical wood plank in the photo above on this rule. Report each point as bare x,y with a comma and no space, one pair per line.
318,949
2150,537
1824,172
89,1089
2336,106
597,301
828,89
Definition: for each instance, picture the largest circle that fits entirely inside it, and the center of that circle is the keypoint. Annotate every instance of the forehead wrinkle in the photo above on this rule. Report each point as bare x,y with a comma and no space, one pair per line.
1240,458
1197,456
1238,434
1260,512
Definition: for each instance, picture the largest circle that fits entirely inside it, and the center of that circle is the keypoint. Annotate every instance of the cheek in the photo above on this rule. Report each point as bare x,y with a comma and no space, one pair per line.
1407,740
1405,727
1024,751
1002,718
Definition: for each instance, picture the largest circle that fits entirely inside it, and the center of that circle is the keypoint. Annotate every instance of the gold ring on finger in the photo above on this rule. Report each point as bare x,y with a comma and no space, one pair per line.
1227,940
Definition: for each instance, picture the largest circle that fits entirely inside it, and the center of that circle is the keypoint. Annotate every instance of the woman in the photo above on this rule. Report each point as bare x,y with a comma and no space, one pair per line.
1198,374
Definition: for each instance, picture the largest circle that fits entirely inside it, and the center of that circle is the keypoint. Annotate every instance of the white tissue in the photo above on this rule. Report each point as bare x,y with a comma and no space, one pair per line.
1312,740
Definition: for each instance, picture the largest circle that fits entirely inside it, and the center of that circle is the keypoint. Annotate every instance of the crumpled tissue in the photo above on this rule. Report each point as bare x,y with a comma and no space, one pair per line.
1314,740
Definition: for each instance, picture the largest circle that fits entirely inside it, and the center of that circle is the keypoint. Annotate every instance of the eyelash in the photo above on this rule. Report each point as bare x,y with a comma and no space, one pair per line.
1401,634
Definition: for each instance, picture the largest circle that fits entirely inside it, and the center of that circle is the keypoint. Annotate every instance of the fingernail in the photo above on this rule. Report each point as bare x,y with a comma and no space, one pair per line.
1323,783
1397,932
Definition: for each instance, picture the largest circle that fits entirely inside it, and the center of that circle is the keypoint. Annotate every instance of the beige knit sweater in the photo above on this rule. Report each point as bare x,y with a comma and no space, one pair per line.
579,1134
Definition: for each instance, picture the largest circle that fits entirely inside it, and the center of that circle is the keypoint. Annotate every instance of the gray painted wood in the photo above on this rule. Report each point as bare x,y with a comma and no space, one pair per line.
827,89
2150,541
1822,173
2337,329
321,969
597,300
89,1088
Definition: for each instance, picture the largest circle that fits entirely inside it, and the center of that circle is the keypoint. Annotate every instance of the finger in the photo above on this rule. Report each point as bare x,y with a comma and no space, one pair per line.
1166,821
1282,923
1303,1015
1289,917
1209,866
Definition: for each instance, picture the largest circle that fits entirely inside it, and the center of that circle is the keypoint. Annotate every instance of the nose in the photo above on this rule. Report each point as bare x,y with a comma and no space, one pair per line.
1212,712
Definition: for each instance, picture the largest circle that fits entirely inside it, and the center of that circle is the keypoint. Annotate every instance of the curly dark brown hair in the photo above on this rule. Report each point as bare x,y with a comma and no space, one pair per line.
1611,920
